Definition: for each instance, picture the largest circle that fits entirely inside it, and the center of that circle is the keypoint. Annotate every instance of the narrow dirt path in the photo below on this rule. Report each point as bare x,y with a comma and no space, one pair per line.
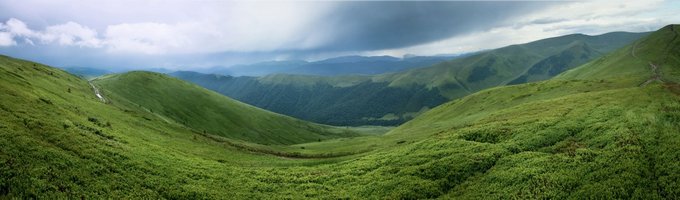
656,76
632,51
97,93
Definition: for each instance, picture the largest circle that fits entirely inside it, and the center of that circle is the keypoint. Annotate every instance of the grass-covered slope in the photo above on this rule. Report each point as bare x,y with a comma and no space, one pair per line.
205,110
391,99
534,61
658,54
595,132
58,141
340,100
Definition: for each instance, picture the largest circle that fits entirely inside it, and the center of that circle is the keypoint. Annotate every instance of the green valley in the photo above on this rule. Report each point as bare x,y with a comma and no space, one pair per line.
605,127
394,98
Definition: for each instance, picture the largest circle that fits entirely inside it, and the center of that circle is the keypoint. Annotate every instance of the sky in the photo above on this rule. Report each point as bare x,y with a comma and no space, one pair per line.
199,34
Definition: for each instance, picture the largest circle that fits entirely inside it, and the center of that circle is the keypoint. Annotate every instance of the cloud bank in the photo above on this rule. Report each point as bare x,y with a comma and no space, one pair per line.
188,34
68,34
274,26
586,17
267,27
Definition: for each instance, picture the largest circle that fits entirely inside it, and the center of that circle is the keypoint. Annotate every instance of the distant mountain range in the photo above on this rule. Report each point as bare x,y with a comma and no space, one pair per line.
393,98
345,65
86,72
337,66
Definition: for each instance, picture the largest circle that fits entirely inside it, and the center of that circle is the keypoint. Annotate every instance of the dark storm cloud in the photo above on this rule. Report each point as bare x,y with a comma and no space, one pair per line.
384,25
197,34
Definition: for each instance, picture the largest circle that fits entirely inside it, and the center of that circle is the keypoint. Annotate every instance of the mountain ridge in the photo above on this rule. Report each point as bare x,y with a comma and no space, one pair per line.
412,91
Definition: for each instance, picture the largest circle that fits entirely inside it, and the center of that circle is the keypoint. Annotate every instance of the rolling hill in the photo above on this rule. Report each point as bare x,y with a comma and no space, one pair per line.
596,131
599,131
393,98
207,111
340,100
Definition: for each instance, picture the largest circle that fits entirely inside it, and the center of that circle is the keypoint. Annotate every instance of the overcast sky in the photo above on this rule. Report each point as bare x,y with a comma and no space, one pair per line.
174,34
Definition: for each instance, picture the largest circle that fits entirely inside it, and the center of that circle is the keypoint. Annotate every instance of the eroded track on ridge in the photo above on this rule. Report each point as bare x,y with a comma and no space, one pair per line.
656,75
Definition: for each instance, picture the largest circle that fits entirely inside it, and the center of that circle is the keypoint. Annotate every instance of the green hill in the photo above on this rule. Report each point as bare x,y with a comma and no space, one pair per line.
340,100
659,51
207,111
581,136
391,99
538,60
593,132
58,140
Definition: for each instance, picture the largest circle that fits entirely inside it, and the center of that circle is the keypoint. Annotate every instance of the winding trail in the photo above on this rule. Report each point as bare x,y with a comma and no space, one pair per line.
656,76
97,93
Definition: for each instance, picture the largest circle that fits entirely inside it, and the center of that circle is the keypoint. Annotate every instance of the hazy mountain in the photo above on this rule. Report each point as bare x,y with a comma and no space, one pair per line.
86,72
345,65
393,98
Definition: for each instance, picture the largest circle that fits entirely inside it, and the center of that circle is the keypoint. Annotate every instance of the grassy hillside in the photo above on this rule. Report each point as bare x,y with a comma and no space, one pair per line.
585,134
205,110
656,53
341,100
576,54
391,99
540,60
576,138
57,140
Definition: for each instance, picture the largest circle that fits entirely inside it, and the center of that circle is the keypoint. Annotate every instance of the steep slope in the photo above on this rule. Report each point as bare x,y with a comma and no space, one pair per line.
501,66
658,53
391,99
207,111
577,54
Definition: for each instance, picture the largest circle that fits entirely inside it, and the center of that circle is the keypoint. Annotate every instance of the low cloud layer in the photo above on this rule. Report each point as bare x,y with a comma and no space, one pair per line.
68,34
279,26
229,32
267,27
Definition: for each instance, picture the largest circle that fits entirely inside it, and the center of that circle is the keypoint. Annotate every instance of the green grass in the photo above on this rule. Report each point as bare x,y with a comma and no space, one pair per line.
206,111
587,137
